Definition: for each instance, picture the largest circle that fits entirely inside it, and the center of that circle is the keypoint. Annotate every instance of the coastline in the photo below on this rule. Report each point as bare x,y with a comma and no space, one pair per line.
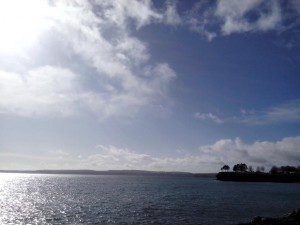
258,177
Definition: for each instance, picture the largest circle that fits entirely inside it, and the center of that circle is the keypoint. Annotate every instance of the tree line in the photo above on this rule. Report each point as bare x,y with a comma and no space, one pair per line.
242,167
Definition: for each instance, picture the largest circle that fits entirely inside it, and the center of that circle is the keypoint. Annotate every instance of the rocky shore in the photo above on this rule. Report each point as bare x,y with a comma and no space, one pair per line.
291,219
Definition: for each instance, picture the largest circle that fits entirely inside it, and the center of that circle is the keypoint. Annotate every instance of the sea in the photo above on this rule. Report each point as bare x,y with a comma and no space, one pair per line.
113,199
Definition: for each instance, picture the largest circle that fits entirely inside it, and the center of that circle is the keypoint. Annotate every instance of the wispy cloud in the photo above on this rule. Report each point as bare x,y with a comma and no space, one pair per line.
199,19
225,17
171,16
284,113
295,5
235,15
288,112
208,116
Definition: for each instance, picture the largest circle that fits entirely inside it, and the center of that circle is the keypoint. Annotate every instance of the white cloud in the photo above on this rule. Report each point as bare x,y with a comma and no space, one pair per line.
225,17
99,38
59,92
118,12
171,16
208,116
41,91
118,158
229,151
234,15
113,157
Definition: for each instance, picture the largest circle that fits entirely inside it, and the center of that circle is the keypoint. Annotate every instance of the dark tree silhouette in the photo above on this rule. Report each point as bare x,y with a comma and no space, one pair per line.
274,170
225,168
285,170
242,167
288,169
250,169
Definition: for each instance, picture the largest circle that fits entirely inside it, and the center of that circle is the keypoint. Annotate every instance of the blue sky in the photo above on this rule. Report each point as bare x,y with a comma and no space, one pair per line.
155,85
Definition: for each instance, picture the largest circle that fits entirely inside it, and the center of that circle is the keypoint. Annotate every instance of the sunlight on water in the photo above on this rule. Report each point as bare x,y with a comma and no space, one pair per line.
63,199
19,199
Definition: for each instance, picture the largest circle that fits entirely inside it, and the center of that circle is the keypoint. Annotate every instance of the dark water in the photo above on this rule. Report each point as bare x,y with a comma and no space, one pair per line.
63,199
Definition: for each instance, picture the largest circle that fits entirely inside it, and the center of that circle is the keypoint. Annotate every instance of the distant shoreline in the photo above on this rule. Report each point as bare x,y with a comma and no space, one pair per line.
258,177
112,172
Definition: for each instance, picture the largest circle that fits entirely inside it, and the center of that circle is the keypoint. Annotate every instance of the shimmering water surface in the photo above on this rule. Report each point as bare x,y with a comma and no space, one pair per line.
72,199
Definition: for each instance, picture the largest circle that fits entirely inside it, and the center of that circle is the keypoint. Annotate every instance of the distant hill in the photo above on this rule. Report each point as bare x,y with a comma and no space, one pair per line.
110,172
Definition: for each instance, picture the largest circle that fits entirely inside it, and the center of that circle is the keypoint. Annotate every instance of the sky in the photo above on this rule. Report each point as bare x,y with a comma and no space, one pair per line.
150,85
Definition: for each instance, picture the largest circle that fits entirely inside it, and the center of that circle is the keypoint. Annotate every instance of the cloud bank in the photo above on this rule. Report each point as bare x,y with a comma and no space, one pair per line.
208,158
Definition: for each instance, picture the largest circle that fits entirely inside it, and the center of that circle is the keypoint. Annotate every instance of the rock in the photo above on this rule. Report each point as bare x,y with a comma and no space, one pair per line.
291,219
257,219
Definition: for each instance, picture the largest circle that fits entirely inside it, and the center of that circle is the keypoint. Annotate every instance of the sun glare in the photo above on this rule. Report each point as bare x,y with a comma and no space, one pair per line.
21,22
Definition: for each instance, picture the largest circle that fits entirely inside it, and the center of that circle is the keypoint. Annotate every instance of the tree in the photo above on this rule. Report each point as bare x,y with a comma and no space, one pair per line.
288,169
250,169
225,168
274,170
284,170
298,169
242,167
